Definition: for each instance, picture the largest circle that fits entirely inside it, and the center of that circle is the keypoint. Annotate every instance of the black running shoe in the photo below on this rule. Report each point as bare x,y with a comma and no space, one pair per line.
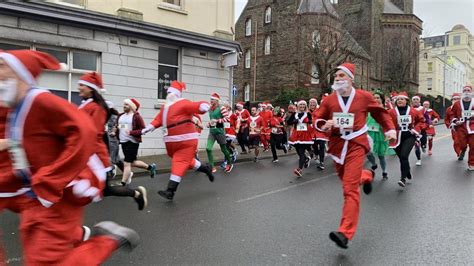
307,162
384,176
142,199
402,182
374,167
169,195
339,238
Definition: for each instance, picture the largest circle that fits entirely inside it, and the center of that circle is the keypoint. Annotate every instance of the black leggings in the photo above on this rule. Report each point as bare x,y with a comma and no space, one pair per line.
276,142
319,148
423,141
119,191
243,138
403,152
301,150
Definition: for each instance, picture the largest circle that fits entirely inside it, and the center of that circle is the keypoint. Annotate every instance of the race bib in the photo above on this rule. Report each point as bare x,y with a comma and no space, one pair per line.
123,126
467,114
374,128
302,127
404,119
274,130
253,124
213,123
343,120
18,156
226,125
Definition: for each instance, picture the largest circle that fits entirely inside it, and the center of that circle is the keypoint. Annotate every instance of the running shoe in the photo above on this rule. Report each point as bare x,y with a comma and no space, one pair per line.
418,162
223,165
470,168
142,199
384,176
374,167
275,161
402,182
339,238
430,152
214,169
298,172
321,166
152,170
229,168
307,162
126,237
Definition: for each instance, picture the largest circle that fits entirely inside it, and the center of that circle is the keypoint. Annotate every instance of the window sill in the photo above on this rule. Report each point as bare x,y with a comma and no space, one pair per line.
172,8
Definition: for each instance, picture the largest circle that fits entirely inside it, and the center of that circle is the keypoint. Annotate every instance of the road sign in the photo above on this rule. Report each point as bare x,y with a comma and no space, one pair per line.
234,90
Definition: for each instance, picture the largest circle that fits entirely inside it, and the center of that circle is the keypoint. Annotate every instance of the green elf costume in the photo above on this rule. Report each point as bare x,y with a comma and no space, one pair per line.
218,115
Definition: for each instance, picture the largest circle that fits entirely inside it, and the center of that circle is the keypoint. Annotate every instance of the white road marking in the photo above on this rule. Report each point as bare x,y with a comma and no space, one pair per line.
284,189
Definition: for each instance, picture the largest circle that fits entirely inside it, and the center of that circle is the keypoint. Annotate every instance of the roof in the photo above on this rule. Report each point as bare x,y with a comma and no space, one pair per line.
317,6
353,46
99,21
391,8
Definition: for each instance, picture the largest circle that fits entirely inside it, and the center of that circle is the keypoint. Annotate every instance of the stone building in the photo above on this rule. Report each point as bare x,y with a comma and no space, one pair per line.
277,38
137,59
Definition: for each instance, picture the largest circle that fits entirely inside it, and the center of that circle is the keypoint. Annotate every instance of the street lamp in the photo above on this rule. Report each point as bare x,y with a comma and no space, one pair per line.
444,73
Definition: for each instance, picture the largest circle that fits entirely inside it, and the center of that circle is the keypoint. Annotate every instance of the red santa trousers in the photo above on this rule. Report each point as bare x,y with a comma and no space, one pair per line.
457,148
48,237
464,139
352,176
182,156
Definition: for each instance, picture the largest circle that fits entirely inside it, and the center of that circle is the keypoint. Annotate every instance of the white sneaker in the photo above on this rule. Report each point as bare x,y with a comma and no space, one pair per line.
129,180
418,162
470,168
86,233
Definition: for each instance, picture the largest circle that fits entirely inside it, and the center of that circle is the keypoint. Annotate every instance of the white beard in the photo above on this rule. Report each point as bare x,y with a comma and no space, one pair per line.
8,90
467,95
340,85
171,98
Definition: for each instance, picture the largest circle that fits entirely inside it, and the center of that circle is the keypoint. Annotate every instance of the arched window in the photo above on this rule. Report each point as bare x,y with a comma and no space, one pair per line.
314,74
248,27
267,45
425,55
268,15
316,39
247,58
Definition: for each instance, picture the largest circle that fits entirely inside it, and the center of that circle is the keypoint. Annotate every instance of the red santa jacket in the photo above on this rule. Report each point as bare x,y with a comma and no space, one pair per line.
230,126
430,126
302,132
359,104
9,183
256,125
415,126
266,116
177,120
319,135
56,142
99,118
243,117
458,113
277,125
448,118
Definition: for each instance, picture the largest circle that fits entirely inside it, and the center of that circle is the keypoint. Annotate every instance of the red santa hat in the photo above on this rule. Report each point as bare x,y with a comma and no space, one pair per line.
348,68
467,86
269,105
426,102
92,80
240,104
313,100
29,64
393,95
456,95
215,96
176,87
302,102
263,104
134,104
402,94
416,97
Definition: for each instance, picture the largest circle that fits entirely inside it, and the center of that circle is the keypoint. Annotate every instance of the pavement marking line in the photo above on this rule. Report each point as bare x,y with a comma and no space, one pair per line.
284,189
442,137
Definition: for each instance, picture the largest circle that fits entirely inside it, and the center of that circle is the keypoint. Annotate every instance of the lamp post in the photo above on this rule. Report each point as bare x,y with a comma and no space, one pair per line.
444,72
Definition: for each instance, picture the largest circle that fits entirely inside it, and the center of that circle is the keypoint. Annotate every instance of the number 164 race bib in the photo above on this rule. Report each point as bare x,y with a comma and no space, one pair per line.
343,120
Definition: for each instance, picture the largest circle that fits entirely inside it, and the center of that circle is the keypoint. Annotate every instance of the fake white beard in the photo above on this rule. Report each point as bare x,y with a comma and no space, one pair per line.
8,89
467,95
340,85
171,98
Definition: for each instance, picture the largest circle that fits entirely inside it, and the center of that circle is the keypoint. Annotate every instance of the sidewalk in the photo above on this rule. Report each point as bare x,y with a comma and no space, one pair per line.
163,162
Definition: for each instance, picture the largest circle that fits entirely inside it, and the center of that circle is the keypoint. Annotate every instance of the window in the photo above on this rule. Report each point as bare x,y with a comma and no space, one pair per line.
430,66
316,38
268,15
168,66
457,40
247,59
248,27
267,45
247,92
314,74
438,44
173,2
425,55
429,83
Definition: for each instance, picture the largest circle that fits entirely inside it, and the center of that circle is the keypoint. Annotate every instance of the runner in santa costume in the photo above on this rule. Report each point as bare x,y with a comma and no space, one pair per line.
447,121
409,123
256,125
320,138
243,116
218,115
180,135
231,128
266,115
462,120
302,135
344,114
420,144
50,144
277,135
432,118
90,89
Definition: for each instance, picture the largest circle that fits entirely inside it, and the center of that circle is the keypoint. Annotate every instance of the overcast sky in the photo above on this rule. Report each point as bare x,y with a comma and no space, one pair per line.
438,16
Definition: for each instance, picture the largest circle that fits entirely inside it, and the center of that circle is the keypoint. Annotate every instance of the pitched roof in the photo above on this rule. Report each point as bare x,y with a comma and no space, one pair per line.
317,6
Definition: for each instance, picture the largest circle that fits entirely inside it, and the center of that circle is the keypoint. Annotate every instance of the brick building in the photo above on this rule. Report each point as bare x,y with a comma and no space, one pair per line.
278,42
